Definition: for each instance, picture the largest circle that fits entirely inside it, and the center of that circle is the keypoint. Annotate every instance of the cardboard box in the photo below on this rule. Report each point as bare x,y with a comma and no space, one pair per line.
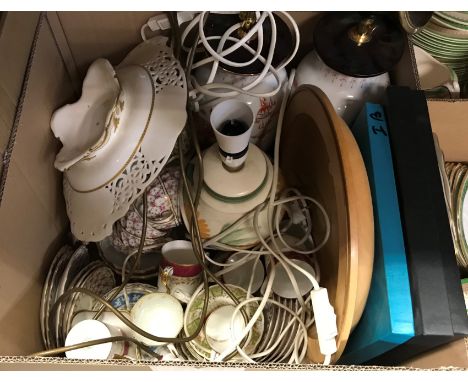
44,58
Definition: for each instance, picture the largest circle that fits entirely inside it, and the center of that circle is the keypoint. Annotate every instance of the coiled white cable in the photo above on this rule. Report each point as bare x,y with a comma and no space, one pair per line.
219,54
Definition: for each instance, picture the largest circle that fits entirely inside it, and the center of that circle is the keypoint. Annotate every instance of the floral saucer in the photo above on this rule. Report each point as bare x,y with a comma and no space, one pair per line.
218,298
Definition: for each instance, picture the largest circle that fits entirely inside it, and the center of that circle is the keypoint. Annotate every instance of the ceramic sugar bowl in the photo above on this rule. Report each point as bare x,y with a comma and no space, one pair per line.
237,177
119,135
354,51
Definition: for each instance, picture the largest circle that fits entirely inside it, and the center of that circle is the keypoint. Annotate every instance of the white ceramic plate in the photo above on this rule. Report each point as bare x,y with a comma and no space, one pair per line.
283,286
240,276
68,314
275,323
282,347
293,332
282,324
269,313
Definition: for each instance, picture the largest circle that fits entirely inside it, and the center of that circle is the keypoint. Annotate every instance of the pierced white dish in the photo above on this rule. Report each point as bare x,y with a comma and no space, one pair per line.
137,125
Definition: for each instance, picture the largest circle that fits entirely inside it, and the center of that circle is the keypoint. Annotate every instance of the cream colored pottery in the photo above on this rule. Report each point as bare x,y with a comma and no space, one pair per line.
119,135
347,94
217,213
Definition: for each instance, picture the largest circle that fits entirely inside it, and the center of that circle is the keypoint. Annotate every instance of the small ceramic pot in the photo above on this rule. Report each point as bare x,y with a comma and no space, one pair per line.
347,94
179,271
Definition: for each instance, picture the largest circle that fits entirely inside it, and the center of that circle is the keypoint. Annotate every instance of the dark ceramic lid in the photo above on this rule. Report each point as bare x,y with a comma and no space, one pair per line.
217,24
359,44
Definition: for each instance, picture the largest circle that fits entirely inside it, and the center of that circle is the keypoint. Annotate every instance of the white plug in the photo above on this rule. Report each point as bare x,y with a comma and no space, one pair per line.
161,22
325,321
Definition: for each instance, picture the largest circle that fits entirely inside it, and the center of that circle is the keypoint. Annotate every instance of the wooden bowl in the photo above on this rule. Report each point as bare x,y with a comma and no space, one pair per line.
320,157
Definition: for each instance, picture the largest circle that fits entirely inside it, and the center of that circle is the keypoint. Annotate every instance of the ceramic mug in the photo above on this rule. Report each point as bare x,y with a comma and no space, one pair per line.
88,330
179,270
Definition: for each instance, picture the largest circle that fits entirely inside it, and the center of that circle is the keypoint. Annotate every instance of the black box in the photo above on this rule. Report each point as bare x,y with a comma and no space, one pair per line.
438,302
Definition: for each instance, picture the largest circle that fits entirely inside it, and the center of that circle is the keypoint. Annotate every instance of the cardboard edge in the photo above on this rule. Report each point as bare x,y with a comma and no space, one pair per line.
38,363
19,108
63,47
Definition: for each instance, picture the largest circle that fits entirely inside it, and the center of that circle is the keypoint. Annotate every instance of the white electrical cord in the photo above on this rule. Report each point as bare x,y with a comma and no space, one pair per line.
274,302
219,54
278,254
274,207
226,35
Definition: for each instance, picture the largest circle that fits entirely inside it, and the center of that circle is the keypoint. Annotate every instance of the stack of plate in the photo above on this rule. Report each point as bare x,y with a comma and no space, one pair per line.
445,37
70,269
279,323
95,277
49,295
457,174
